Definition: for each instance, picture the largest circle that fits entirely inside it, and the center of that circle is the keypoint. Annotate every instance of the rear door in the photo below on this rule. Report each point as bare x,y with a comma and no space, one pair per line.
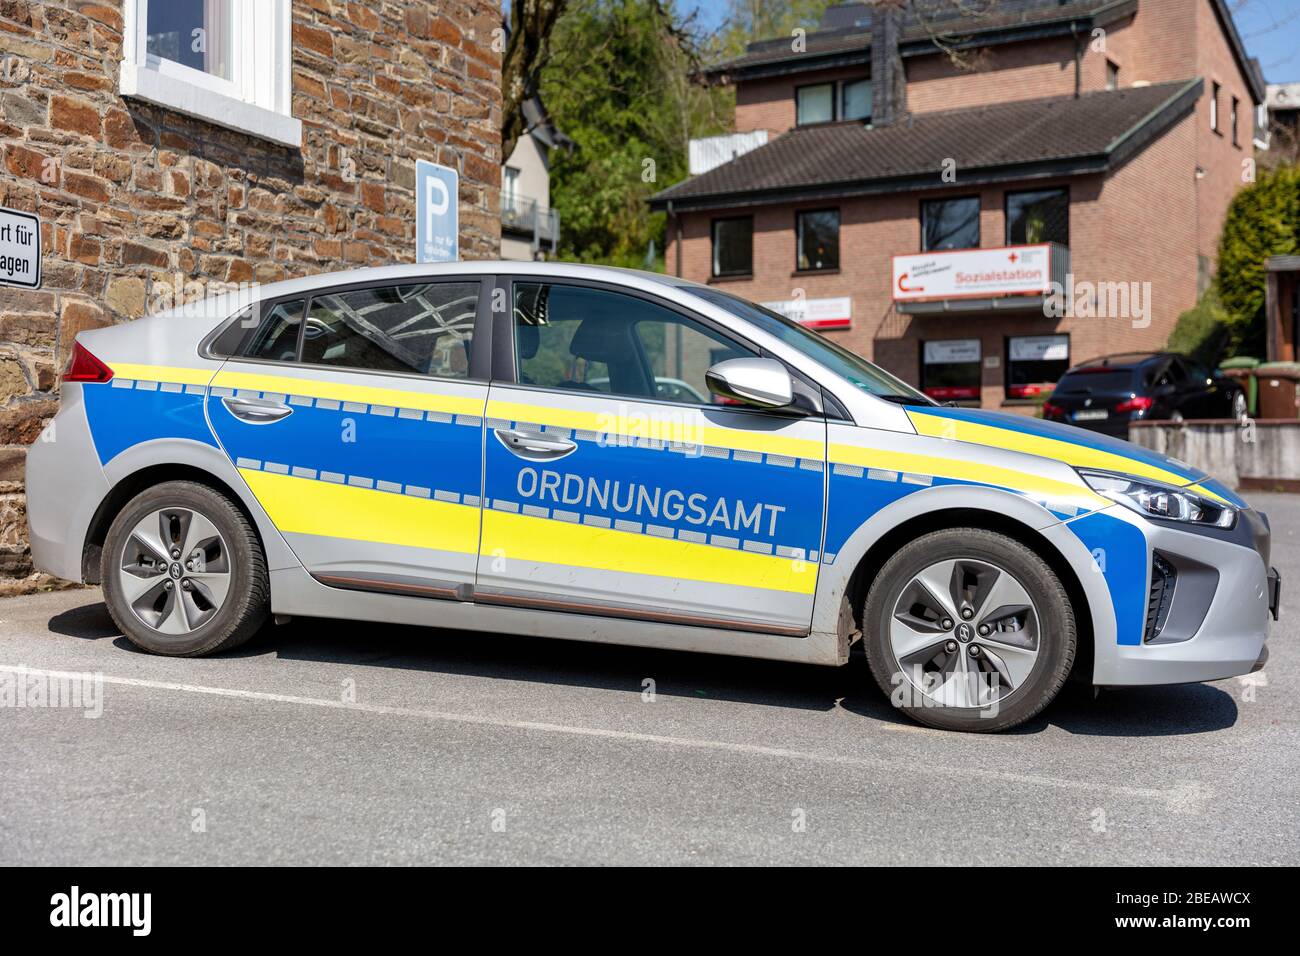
355,415
616,486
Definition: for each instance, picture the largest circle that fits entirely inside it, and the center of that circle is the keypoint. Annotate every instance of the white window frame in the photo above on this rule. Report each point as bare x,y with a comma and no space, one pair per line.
258,97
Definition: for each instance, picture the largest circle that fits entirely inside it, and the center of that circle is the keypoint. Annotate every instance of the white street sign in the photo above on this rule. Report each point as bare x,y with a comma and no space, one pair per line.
20,249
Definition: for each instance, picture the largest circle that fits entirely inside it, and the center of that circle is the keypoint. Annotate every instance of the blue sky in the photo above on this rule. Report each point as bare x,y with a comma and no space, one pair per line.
1270,29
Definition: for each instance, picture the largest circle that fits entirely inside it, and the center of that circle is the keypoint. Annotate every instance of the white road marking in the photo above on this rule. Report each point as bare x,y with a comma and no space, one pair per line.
1178,798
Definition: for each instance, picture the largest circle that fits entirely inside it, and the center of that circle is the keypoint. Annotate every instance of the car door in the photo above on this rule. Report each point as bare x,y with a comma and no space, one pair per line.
616,485
355,415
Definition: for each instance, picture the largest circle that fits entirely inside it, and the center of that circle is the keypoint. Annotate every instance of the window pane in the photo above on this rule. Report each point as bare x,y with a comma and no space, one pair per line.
1035,363
950,369
196,33
733,246
590,340
277,337
819,239
950,224
852,367
856,101
680,352
815,104
425,327
1040,216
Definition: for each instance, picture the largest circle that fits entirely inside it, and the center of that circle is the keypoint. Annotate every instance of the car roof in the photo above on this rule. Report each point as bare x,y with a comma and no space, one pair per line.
1120,361
416,270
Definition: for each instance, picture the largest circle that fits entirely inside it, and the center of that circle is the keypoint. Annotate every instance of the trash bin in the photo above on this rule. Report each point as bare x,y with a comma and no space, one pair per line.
1277,389
1242,369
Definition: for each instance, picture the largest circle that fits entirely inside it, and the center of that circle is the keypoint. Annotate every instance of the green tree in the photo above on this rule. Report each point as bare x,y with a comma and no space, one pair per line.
1263,220
619,83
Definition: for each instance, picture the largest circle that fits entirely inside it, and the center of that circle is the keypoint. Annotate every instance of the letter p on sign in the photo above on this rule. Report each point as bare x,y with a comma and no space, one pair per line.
437,220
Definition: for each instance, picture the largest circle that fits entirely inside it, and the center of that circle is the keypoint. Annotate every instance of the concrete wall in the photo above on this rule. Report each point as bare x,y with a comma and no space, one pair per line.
1259,455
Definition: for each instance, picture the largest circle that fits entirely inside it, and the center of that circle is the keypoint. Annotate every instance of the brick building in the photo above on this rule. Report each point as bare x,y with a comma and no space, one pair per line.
172,147
925,179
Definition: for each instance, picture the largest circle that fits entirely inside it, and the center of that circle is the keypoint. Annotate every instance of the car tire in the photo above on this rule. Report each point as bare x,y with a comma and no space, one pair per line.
183,572
918,643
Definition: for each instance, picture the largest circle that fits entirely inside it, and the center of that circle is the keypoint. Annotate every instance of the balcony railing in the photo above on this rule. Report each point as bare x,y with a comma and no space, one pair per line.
522,214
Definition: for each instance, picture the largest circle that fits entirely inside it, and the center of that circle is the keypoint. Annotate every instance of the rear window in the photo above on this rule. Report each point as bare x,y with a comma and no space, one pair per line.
1097,380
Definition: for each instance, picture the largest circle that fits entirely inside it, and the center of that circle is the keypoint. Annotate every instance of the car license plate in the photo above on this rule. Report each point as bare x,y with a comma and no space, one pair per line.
1091,415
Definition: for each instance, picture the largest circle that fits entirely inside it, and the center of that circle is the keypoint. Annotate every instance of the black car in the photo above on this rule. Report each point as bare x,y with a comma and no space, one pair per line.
1108,393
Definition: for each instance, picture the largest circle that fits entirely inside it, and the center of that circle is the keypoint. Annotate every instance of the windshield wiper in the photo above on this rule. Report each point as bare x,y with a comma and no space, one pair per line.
906,400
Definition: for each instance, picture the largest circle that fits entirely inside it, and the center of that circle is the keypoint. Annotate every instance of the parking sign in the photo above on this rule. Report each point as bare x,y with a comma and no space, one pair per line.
437,225
20,249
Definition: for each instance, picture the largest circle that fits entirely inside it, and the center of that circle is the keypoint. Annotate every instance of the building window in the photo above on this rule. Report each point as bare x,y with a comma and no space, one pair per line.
733,246
950,224
815,104
1035,363
950,369
1042,215
510,186
1214,106
855,101
1236,112
224,61
818,234
1112,75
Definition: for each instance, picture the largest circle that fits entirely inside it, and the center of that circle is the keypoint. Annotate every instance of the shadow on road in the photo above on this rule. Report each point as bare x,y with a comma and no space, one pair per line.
1135,712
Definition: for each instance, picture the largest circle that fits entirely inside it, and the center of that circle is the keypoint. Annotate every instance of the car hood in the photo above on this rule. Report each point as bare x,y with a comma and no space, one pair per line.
1065,443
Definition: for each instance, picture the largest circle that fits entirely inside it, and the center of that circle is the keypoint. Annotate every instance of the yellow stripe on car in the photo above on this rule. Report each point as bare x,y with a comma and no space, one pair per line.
308,506
1078,456
1035,486
161,373
681,428
544,540
346,392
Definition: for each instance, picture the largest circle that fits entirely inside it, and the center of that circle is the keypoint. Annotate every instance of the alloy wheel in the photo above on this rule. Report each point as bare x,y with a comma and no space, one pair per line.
965,633
175,570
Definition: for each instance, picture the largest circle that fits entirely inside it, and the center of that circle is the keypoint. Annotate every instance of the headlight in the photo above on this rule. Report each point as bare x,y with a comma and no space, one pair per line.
1156,500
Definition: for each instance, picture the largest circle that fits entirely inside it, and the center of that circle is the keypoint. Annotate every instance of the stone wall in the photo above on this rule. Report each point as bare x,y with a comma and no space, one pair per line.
135,199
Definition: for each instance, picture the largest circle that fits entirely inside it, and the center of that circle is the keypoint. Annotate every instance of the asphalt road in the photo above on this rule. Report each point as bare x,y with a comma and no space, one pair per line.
336,742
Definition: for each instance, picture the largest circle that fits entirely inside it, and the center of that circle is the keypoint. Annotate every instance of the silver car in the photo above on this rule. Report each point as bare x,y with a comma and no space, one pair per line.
488,446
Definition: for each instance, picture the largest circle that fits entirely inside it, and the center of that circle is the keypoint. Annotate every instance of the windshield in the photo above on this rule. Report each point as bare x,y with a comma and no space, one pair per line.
852,368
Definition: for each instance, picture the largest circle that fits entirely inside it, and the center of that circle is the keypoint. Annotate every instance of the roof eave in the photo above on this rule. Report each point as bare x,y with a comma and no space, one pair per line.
1118,151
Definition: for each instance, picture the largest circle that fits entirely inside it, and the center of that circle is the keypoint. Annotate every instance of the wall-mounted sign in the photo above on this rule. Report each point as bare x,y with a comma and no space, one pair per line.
952,351
817,313
20,249
973,273
1038,348
437,212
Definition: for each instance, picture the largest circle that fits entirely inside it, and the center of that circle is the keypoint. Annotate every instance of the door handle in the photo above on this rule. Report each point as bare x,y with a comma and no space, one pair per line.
256,411
535,445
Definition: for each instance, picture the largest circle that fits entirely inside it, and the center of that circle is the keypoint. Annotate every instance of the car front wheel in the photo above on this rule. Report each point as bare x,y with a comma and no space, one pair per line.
967,629
183,572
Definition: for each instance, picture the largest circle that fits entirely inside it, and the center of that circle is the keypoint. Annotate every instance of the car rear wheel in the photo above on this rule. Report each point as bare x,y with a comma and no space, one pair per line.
967,629
183,572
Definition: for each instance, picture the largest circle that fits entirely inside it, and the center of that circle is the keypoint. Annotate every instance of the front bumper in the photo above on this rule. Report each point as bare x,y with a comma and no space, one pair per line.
1231,603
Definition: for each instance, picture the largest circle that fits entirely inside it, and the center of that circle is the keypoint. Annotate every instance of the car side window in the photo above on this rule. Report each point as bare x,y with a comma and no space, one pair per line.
593,340
424,327
276,339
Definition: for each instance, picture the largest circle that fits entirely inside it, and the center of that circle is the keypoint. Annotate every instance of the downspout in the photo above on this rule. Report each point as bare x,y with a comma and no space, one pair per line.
1078,59
677,237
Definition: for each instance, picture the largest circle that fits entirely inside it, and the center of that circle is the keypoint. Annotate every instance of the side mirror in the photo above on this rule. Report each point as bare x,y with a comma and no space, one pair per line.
763,383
